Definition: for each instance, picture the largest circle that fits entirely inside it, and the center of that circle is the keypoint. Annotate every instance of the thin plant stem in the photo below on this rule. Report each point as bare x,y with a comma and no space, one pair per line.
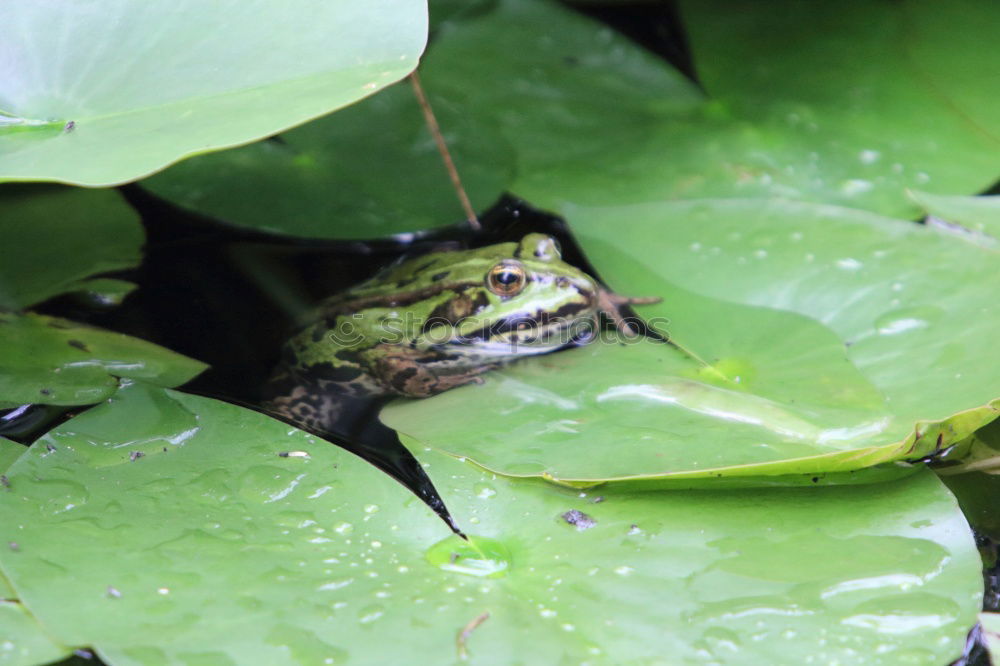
435,130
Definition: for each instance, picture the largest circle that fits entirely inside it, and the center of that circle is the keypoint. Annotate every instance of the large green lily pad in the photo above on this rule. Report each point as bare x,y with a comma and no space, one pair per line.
287,186
826,340
105,92
851,106
53,361
55,237
212,546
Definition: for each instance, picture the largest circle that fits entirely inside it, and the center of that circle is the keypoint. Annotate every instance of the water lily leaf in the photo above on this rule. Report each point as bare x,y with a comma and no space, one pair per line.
574,93
852,107
143,85
24,642
978,217
849,103
369,170
9,452
214,546
826,333
54,237
58,362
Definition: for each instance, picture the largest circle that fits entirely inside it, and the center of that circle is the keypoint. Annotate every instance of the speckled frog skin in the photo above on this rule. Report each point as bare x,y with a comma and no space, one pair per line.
434,322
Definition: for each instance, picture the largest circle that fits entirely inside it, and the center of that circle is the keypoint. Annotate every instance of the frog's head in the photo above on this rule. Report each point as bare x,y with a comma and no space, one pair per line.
515,299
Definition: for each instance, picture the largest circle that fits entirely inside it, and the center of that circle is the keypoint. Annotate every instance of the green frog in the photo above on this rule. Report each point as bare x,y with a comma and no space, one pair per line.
436,321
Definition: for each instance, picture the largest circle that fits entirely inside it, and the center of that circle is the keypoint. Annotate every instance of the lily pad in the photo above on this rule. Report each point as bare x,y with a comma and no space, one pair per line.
9,452
502,62
824,340
144,85
214,547
24,642
58,362
55,237
369,170
848,103
850,106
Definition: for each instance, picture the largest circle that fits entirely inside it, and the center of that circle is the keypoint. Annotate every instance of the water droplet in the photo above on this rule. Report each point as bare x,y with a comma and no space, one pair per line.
343,528
371,508
61,495
907,319
335,584
855,186
849,264
369,614
479,556
484,490
869,156
623,570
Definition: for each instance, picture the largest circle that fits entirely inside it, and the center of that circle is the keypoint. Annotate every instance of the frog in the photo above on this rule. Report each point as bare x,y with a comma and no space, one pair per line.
436,321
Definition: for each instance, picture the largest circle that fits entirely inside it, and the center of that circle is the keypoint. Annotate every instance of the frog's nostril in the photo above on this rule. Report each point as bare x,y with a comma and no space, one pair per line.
562,282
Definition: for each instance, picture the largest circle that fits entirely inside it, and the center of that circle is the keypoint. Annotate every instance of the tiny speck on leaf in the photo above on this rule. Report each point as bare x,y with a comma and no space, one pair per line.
4,481
69,127
113,592
579,519
135,455
13,546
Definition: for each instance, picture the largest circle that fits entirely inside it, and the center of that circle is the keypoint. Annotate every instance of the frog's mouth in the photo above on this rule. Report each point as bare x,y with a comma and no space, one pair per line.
526,335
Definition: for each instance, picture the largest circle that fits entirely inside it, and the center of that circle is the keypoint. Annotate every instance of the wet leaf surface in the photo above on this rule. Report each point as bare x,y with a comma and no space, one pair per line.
227,552
146,85
55,237
58,362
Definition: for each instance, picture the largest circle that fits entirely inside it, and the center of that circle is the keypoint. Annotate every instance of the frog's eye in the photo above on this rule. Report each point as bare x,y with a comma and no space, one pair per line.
506,278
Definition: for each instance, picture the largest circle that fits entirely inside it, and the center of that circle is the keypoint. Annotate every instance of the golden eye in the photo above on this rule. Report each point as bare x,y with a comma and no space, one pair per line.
506,278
